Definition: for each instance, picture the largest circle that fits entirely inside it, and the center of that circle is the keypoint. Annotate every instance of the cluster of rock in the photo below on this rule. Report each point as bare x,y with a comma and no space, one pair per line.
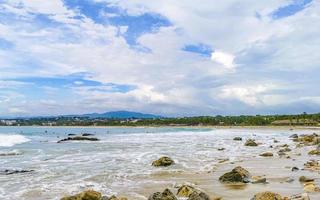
91,195
78,138
307,140
14,171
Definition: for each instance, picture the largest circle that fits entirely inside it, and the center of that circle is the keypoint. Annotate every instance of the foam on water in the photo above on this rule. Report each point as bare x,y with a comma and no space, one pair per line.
11,140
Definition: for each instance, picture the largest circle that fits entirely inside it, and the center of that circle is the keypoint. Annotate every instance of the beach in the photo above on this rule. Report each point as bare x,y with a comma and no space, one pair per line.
120,162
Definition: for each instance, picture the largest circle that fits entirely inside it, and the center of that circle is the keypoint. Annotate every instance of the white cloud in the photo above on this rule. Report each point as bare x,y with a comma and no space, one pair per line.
223,58
168,79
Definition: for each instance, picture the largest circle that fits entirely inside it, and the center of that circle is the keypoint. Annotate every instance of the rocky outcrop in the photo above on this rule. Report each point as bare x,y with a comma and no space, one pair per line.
163,162
294,136
10,171
87,134
165,195
113,197
267,196
310,187
237,175
258,180
86,195
251,143
266,154
78,138
286,149
198,195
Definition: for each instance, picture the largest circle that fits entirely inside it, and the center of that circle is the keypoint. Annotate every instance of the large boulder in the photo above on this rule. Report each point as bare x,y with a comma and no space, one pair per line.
237,175
267,196
163,161
86,195
165,195
251,143
198,195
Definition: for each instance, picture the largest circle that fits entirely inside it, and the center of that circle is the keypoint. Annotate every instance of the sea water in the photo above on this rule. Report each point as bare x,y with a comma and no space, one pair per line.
120,163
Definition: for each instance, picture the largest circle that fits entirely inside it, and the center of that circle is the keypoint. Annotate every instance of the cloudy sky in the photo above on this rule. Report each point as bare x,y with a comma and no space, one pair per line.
173,58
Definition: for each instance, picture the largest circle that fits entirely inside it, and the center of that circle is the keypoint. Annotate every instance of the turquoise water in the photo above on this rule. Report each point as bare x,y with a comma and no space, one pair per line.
118,163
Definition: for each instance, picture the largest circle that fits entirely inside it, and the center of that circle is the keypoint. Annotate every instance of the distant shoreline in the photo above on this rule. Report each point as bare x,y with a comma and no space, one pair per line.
168,126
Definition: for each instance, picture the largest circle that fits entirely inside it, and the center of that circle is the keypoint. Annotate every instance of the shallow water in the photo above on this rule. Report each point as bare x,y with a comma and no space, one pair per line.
120,162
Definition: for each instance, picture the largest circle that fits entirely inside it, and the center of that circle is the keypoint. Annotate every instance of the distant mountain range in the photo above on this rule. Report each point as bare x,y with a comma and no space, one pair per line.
119,115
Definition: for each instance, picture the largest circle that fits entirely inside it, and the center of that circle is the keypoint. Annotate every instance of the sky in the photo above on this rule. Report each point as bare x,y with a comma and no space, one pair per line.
172,58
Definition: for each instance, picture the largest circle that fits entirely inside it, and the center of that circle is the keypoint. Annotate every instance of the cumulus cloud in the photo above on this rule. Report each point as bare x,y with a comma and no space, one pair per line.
251,52
223,58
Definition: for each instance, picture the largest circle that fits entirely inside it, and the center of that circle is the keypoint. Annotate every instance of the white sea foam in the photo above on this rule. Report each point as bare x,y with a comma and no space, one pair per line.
11,140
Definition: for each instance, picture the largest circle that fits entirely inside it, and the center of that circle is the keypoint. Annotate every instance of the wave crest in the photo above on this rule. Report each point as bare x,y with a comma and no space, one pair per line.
11,140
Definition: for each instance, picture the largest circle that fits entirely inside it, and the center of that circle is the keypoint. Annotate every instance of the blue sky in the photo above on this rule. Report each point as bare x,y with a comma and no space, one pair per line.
170,58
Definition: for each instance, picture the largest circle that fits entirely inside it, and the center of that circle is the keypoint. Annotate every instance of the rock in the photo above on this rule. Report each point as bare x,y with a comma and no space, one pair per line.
78,138
289,180
267,196
71,134
294,169
165,195
275,141
251,143
87,134
304,179
86,195
113,197
286,149
314,152
259,180
294,136
221,149
310,187
312,165
198,195
237,175
282,154
237,138
185,190
163,161
303,196
10,172
266,154
222,160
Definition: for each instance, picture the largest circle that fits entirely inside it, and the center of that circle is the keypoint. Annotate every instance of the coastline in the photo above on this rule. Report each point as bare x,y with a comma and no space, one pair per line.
168,126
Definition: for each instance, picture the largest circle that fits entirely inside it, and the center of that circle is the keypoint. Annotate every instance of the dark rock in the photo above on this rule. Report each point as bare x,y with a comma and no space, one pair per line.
294,136
251,143
9,172
284,150
267,154
221,149
304,179
163,161
78,138
237,175
294,169
237,138
165,195
87,134
71,134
